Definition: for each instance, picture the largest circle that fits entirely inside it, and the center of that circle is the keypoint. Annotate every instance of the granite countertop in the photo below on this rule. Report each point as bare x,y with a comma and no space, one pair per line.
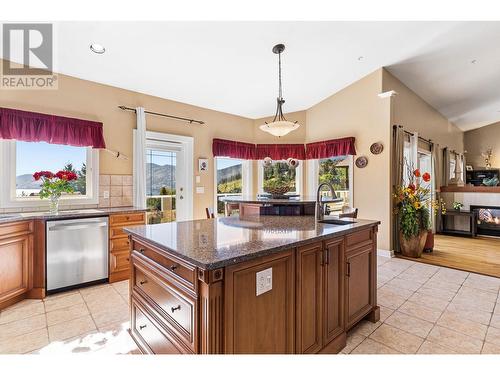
215,243
291,201
66,214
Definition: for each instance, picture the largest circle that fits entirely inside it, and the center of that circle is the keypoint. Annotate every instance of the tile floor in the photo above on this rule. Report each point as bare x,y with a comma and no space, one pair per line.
425,309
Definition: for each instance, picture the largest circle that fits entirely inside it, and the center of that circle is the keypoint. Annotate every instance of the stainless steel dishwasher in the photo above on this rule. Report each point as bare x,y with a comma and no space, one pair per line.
77,252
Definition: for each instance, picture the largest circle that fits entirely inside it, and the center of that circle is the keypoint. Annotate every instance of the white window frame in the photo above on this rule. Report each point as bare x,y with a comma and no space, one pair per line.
8,197
299,172
246,178
313,177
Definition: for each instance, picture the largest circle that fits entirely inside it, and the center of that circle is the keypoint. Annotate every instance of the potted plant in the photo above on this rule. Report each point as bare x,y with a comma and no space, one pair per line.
412,205
457,206
53,185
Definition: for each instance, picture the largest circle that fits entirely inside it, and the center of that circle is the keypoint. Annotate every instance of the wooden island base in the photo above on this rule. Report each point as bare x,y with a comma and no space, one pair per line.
317,292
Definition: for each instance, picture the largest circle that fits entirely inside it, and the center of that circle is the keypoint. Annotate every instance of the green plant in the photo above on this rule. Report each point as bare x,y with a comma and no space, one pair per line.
54,184
457,206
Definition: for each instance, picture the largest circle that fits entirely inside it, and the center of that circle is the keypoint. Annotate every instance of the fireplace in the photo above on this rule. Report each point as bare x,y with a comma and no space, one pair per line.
488,220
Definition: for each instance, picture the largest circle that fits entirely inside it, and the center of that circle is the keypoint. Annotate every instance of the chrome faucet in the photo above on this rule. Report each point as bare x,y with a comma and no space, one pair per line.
320,205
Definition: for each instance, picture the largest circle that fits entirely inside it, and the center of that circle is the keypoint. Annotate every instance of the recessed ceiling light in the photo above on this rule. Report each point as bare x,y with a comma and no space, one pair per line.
97,48
361,58
473,61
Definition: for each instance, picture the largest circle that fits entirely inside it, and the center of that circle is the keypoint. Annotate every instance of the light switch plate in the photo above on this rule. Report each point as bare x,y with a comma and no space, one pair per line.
200,190
264,280
105,194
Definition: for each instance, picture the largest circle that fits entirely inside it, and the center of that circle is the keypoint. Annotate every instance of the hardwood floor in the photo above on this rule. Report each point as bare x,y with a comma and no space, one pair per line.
479,255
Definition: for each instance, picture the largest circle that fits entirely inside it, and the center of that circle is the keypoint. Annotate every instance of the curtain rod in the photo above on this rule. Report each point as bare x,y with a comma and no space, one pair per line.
190,120
410,133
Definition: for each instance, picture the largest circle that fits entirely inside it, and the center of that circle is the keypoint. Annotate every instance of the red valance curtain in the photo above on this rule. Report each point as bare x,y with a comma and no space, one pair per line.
39,127
233,149
333,147
281,151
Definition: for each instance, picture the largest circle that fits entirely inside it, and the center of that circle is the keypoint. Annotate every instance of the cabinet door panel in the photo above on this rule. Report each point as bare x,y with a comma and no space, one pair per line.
333,320
359,284
15,266
309,298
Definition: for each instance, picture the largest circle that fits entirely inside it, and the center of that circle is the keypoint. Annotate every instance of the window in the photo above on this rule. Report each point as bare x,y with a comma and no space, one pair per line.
160,185
21,159
232,178
279,172
338,172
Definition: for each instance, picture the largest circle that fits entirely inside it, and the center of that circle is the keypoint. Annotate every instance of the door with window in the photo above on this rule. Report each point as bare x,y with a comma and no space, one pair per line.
168,187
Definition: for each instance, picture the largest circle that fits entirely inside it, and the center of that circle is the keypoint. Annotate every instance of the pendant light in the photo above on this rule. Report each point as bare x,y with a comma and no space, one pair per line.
280,126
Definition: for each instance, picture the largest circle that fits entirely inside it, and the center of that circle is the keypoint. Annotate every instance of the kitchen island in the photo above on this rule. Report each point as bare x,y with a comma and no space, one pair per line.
262,285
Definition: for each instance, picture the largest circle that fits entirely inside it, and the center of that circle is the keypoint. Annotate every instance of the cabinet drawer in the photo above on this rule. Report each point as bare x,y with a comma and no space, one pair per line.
360,238
117,232
119,261
151,337
16,229
176,309
118,244
172,266
125,219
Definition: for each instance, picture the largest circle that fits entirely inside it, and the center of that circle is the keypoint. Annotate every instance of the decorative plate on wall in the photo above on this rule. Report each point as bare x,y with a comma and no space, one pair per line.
377,148
361,162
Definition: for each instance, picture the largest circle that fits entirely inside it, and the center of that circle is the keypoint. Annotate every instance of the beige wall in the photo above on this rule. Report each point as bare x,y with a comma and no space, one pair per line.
357,111
478,141
415,115
92,101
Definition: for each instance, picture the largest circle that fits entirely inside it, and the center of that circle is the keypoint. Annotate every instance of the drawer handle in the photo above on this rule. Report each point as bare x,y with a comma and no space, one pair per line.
143,282
143,326
175,308
127,217
141,251
348,269
127,259
173,267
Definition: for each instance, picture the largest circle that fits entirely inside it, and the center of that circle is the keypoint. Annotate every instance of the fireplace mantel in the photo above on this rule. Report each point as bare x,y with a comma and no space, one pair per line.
470,189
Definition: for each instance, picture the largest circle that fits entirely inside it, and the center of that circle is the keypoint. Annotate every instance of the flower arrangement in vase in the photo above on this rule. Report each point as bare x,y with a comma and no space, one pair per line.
53,185
413,203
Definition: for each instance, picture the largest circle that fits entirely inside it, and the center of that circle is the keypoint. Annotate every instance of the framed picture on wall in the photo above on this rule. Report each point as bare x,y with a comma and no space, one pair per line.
202,165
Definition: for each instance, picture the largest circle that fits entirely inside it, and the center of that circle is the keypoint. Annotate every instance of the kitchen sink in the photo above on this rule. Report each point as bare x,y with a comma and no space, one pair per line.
337,221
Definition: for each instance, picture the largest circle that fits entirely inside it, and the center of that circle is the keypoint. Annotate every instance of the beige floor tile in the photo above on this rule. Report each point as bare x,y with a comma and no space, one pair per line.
477,294
385,312
100,294
455,341
386,273
107,317
468,327
121,287
420,311
389,298
25,343
488,284
412,275
395,265
470,303
66,314
429,347
495,321
493,335
443,294
23,303
381,259
450,275
63,301
410,324
23,326
353,340
489,348
395,289
364,328
369,346
92,289
429,301
19,313
73,328
470,313
397,339
405,284
442,284
106,303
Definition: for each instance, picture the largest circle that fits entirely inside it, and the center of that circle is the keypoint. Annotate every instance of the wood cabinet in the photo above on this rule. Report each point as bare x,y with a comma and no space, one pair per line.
360,277
16,261
320,295
119,245
315,293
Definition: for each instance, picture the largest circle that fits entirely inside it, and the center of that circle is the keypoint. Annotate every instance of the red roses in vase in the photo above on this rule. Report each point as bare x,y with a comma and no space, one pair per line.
54,184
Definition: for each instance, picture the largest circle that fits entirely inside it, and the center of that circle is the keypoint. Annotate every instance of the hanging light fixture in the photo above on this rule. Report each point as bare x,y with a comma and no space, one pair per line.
280,126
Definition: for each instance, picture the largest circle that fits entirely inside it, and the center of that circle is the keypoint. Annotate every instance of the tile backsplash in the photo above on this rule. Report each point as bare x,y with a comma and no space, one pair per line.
118,188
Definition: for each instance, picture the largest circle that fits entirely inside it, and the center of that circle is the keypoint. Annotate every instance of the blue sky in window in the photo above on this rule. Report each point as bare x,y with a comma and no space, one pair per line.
226,162
37,156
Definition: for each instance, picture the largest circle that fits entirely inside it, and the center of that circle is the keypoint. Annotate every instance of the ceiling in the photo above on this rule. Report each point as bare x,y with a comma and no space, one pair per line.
229,66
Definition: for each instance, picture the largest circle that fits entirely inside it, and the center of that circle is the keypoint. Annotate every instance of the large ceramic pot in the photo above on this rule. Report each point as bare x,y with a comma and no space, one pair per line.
412,247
